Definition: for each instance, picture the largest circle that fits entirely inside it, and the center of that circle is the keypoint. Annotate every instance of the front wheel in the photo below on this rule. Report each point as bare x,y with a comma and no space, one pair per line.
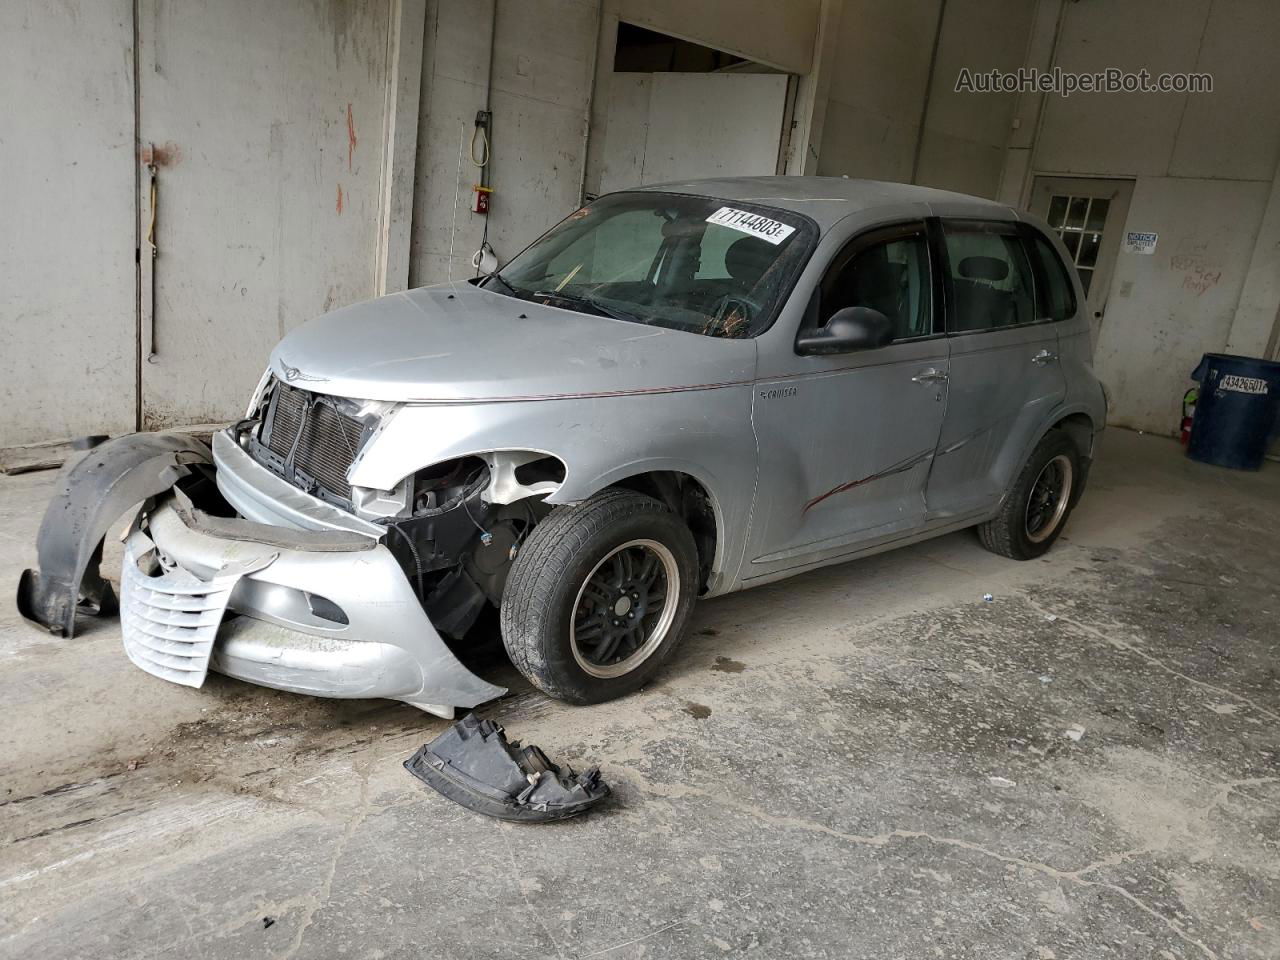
1036,510
599,596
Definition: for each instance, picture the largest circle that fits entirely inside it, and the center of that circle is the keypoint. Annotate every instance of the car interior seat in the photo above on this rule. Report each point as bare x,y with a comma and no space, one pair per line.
746,261
980,303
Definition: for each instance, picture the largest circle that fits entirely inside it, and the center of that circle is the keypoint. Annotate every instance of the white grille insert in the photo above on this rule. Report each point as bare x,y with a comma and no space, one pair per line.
169,622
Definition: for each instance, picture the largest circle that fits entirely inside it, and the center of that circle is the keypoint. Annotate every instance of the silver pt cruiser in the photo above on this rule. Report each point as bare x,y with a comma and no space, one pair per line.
677,392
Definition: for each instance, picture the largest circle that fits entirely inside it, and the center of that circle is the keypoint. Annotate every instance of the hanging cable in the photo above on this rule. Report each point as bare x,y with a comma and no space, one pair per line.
413,549
457,189
480,132
486,537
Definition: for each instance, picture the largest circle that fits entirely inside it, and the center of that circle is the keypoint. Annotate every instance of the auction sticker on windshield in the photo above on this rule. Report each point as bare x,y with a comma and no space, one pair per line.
773,231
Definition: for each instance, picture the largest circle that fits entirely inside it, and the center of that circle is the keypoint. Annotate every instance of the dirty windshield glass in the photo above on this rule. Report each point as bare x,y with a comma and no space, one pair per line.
715,267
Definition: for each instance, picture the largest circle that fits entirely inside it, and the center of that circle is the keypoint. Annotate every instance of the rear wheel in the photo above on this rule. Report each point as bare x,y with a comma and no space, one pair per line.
599,596
1036,510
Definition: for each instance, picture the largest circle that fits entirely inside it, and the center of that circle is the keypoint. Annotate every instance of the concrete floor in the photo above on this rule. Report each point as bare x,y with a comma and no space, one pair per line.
868,761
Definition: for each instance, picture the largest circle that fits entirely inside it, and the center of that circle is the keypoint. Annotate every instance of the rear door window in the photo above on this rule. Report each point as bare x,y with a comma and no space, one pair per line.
990,277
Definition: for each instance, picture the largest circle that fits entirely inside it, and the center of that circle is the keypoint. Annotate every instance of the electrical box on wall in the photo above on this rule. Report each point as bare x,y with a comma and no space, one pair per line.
480,199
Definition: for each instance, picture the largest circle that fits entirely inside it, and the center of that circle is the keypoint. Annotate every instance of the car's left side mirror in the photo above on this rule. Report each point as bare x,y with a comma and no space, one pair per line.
848,330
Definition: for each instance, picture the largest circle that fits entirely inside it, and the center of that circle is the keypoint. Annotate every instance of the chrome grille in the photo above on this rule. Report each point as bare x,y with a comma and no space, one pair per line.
328,440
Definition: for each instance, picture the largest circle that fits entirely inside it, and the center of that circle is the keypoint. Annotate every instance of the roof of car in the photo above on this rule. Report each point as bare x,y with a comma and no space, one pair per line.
831,199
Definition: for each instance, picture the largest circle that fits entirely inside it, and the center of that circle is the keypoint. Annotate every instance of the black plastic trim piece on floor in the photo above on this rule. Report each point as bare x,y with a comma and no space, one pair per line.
472,764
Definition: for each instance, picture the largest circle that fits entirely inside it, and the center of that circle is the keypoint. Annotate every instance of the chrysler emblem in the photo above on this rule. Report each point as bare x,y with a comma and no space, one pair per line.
291,373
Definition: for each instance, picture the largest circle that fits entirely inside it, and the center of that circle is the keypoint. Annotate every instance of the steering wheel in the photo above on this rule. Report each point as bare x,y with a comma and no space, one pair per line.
732,316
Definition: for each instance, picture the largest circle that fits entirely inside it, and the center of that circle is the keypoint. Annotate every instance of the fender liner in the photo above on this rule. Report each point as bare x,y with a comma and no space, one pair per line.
92,493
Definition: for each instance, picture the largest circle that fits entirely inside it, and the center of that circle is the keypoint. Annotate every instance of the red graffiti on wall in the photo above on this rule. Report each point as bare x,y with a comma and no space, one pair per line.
351,136
1198,275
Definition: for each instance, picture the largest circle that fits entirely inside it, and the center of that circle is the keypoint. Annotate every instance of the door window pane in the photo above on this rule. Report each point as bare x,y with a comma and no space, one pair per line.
1079,221
1077,213
1089,244
991,279
1058,211
1085,277
1097,214
891,277
1072,240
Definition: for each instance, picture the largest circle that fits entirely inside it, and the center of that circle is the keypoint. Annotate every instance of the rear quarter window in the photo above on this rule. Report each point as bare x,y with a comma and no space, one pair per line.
1055,294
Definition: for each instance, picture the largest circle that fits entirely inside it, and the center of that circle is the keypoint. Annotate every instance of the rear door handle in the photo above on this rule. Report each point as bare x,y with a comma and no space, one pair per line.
1044,356
928,375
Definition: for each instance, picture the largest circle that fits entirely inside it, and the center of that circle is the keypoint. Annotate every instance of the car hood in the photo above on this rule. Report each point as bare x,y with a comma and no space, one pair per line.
455,342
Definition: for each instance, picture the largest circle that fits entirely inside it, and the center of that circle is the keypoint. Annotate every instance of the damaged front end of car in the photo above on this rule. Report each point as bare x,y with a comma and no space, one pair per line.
260,560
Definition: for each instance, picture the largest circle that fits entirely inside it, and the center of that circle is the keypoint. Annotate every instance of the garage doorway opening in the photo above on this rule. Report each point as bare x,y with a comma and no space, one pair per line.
681,110
641,50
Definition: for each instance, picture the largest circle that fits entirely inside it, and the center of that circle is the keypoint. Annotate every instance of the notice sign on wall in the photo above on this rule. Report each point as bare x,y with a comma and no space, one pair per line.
1140,242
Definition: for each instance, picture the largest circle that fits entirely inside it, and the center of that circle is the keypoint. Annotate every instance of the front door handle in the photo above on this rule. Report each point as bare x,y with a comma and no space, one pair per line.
928,375
1044,356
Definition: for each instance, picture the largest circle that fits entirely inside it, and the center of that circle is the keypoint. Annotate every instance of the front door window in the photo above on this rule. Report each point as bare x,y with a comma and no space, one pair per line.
891,277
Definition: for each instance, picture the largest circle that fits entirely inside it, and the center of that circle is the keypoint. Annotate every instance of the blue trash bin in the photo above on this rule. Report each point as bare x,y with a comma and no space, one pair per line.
1236,412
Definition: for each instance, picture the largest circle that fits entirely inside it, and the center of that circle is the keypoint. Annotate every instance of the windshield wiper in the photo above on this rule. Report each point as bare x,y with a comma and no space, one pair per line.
512,291
590,305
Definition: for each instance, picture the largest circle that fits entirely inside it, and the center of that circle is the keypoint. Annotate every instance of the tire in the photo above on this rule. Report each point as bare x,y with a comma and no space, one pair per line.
1054,476
578,585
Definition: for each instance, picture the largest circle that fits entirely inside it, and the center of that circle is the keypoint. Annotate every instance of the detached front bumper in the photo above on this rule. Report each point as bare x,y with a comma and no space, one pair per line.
185,572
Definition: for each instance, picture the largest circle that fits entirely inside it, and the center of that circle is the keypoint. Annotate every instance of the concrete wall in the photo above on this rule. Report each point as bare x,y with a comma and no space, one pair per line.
267,126
543,56
1232,133
1168,309
965,135
269,186
67,297
873,101
552,64
74,326
879,77
1256,328
892,112
1204,167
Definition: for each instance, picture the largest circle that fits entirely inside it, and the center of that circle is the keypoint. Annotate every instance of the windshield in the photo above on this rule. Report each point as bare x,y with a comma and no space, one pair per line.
720,268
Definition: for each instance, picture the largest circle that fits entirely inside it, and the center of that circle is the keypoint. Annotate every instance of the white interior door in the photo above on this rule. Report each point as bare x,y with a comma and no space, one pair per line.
1089,215
682,126
267,124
